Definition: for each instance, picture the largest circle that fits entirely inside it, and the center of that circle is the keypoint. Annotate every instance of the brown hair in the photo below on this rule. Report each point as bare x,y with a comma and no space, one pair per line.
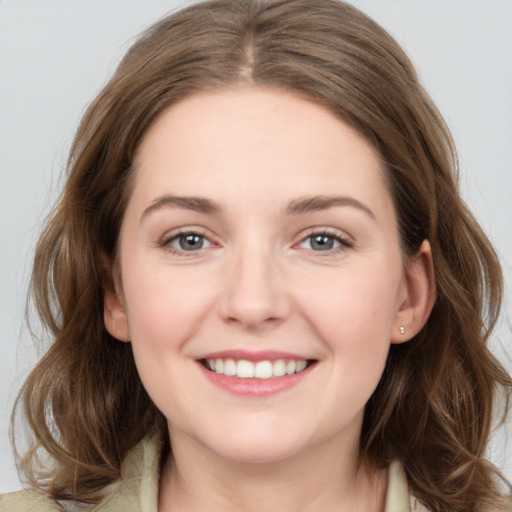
85,403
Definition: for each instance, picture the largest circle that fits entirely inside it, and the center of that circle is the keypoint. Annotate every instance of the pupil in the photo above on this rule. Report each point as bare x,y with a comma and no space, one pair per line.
191,242
322,243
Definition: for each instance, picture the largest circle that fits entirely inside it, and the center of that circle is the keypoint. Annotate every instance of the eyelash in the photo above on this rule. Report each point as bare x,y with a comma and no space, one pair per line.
343,241
167,241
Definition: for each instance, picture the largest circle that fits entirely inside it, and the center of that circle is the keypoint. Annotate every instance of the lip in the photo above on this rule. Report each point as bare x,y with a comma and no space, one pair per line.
254,387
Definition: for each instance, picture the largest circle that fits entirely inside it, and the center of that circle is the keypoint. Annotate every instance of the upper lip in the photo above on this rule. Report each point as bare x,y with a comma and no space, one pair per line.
254,356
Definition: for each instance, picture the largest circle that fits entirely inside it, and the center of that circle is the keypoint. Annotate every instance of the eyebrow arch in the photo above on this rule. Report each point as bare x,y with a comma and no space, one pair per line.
298,206
196,204
316,203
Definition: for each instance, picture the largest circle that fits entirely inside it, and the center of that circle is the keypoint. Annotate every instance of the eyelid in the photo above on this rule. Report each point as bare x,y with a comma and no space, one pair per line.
345,240
165,241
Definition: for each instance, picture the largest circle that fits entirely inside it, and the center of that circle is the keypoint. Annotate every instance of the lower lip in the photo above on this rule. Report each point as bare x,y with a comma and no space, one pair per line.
255,387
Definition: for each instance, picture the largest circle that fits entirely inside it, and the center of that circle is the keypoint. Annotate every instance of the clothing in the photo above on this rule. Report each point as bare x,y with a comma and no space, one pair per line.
137,491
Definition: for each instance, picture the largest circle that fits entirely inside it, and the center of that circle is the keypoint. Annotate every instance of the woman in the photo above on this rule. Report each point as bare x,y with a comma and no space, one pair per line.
264,288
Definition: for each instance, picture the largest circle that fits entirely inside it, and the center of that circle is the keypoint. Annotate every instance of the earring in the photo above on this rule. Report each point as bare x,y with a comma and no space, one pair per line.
402,329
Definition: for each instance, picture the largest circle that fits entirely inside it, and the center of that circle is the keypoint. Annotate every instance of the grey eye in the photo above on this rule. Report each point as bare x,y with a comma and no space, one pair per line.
190,242
320,242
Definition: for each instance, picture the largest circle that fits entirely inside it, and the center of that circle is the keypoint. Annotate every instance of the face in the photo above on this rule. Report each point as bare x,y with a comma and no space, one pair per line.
261,274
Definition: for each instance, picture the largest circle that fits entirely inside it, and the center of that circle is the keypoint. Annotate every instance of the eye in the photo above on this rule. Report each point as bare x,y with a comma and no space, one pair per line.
188,242
324,242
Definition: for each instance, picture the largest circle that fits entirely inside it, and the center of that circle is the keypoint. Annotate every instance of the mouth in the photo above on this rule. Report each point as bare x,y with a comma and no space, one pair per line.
261,370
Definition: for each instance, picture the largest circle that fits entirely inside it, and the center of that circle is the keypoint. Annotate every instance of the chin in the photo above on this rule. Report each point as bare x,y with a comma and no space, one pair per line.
256,453
256,445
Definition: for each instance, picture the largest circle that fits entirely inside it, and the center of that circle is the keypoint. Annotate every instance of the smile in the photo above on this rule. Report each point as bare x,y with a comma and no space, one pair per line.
262,370
255,374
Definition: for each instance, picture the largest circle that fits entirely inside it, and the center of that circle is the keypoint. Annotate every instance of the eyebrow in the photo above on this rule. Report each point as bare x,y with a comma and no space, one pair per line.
196,204
309,204
298,206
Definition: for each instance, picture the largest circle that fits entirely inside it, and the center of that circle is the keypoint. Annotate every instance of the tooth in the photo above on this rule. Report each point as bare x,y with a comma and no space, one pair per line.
301,365
245,369
229,367
291,367
279,368
263,370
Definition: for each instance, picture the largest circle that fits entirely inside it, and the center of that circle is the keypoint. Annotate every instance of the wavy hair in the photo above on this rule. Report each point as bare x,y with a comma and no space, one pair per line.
433,408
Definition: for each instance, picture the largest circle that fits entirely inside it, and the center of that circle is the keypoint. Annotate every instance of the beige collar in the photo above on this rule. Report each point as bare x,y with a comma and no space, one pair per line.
397,497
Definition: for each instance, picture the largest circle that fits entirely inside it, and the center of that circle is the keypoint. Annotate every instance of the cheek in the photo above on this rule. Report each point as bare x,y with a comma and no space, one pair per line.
165,310
164,306
353,313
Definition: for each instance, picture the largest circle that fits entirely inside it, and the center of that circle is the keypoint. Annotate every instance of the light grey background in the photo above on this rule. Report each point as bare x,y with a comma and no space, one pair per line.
56,54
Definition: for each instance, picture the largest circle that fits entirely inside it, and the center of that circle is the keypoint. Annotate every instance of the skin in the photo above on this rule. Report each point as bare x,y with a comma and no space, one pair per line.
260,283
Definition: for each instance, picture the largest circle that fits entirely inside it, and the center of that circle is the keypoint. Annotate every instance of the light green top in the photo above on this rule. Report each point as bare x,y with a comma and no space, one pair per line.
137,491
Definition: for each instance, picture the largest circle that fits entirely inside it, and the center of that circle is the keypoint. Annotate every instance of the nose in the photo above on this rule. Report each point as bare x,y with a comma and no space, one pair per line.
255,297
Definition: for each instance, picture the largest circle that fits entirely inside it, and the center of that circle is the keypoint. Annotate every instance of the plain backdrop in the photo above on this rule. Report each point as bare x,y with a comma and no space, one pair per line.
56,54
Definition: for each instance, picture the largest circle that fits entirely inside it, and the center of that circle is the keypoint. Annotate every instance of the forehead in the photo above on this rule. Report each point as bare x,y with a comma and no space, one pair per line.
247,142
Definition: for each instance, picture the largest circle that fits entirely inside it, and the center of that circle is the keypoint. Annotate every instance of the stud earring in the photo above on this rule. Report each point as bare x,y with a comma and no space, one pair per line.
402,329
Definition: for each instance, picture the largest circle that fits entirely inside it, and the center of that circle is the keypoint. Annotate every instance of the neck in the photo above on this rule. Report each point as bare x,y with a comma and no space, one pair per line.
327,477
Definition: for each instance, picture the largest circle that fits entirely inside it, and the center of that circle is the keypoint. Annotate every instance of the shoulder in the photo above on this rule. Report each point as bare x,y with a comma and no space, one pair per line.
136,491
28,501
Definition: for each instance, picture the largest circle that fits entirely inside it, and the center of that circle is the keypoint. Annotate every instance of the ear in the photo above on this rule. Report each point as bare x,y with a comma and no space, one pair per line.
416,297
114,309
